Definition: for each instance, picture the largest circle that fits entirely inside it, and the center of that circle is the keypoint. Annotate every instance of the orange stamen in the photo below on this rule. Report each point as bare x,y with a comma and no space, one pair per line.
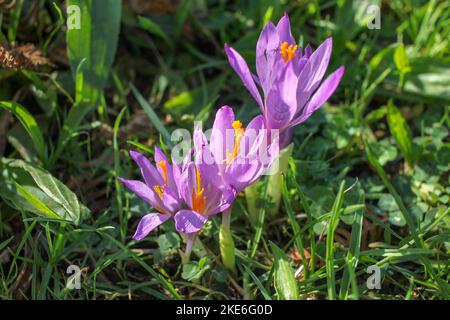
288,51
238,133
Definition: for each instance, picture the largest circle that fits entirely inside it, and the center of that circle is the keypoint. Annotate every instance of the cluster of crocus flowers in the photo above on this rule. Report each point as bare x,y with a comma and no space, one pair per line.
215,172
290,78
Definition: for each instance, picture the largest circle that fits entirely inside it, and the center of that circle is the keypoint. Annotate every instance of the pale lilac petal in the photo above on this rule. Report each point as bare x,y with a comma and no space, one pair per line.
144,192
308,51
267,48
313,72
209,170
241,68
176,170
149,172
170,200
321,96
188,183
188,221
148,223
281,104
250,135
284,30
218,142
241,174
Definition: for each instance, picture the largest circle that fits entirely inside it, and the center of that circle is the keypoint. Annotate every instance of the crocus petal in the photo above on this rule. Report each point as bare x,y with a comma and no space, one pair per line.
148,223
218,142
144,192
313,72
266,49
284,30
281,105
241,68
188,183
250,135
176,170
188,221
149,172
241,173
170,200
321,96
308,51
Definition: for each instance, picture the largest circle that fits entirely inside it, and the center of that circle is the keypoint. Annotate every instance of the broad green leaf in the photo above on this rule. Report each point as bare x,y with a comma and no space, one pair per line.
284,278
401,132
30,188
36,202
96,41
29,124
91,49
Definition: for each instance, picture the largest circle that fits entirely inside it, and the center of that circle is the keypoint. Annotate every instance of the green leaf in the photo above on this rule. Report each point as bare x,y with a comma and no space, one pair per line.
30,124
401,59
96,41
152,115
36,202
401,133
353,253
30,188
153,28
334,220
91,50
284,278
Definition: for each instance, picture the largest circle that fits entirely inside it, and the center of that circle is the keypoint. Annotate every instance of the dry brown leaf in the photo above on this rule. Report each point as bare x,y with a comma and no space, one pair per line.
26,56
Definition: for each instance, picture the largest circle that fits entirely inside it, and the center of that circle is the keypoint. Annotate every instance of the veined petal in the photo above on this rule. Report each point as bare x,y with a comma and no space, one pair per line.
144,192
241,68
251,134
241,173
313,72
170,200
218,141
148,223
284,30
267,48
321,96
188,221
188,183
151,176
281,104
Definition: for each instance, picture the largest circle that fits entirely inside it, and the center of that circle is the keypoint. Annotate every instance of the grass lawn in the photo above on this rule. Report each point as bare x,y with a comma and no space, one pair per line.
363,199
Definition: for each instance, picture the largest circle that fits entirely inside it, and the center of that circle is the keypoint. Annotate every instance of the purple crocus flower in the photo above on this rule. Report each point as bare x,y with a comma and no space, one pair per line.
202,198
160,190
235,157
291,80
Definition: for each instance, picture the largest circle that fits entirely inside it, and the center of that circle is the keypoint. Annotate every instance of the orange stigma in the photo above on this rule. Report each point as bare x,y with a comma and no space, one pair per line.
238,133
288,51
198,199
163,165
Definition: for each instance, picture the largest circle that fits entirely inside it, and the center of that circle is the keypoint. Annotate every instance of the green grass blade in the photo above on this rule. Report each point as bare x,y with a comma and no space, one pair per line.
152,115
334,220
30,125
